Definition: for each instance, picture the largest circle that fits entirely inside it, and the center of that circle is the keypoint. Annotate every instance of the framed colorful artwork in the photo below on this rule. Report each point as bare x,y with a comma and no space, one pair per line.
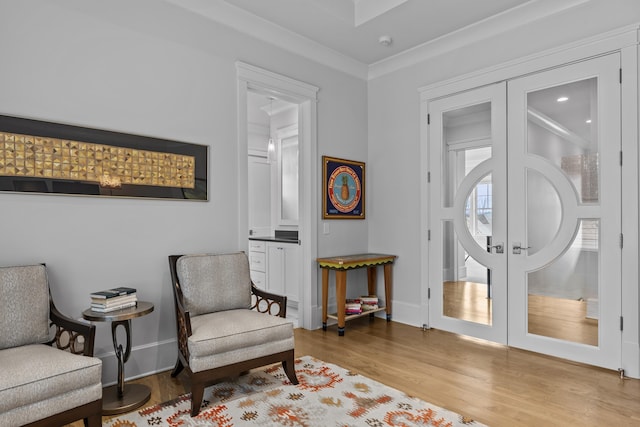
343,189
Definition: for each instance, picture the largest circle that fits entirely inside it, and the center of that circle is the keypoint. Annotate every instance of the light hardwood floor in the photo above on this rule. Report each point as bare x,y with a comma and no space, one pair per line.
560,318
491,383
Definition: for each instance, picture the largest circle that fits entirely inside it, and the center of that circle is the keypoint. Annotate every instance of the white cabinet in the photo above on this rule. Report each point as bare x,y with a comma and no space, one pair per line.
276,267
283,267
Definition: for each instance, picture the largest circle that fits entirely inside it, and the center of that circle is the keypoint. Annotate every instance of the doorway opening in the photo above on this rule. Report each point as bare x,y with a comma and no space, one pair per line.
252,79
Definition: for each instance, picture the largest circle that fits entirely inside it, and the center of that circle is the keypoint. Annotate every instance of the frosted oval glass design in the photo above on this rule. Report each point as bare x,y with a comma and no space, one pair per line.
544,211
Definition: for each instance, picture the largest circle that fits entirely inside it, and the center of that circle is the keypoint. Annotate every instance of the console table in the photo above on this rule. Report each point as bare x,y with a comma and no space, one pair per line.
341,264
119,398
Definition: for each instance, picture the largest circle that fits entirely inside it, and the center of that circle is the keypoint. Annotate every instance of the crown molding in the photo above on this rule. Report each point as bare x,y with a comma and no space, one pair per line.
497,24
235,18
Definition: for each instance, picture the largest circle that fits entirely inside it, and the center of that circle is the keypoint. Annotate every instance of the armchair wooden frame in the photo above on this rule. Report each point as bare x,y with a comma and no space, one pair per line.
263,302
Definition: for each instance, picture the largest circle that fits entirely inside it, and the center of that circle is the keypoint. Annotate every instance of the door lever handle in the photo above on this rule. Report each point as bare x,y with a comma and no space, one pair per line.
517,248
499,248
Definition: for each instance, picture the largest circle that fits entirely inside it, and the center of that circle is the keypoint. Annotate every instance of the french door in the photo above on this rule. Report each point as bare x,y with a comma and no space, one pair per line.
468,195
525,212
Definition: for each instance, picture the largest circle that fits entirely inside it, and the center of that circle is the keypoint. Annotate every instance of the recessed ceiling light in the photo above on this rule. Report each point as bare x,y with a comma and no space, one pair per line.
563,99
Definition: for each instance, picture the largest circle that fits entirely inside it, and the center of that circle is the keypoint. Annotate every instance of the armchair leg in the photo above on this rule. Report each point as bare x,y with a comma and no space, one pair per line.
197,393
93,421
177,368
289,368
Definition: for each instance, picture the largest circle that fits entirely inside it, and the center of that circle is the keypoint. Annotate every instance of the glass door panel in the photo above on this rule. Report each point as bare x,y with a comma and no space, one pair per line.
563,296
466,293
563,128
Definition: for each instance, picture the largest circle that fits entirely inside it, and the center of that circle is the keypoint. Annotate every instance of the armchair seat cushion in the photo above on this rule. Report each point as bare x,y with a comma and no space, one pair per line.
48,373
226,337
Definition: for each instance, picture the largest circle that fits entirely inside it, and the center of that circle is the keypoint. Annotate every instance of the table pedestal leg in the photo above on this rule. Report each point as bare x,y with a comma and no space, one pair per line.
119,398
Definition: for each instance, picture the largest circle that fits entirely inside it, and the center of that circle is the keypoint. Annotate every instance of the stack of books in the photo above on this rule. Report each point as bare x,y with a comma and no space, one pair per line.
113,299
353,306
369,302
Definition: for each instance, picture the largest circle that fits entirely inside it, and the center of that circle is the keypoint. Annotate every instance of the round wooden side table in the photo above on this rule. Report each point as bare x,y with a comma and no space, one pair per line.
120,398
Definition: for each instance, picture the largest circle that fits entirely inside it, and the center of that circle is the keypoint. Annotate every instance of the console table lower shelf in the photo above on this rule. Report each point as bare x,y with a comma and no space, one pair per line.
340,265
348,317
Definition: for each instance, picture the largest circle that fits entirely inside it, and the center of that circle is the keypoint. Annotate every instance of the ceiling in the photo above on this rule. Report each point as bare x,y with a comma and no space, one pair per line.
345,34
334,23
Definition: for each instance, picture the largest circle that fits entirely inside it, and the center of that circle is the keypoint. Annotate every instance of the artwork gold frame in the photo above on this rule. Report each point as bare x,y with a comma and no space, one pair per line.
43,157
343,188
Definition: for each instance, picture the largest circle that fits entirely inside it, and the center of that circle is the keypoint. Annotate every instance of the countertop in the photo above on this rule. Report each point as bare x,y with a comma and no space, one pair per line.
275,239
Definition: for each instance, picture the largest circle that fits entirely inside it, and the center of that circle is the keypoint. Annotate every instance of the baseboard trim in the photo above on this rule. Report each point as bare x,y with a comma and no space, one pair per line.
144,360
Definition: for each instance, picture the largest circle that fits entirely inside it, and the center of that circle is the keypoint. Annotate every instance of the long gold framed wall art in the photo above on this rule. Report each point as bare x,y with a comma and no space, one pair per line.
54,158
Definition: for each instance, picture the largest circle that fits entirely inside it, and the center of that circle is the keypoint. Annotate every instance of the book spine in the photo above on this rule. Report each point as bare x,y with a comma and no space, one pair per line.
114,308
113,301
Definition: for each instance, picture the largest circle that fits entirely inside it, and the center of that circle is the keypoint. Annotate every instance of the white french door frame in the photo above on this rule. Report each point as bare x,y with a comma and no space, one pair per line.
623,40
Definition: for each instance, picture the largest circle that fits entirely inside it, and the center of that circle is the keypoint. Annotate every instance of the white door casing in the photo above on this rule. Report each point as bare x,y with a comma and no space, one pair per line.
250,77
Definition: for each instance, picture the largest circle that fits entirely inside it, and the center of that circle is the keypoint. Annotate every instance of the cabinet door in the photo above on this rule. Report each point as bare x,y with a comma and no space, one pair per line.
283,269
276,269
292,262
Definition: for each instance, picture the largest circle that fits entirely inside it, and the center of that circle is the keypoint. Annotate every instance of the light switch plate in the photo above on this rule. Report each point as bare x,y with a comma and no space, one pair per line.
325,228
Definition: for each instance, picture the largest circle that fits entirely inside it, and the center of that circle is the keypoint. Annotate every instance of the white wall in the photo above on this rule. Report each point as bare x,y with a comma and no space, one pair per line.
145,68
394,176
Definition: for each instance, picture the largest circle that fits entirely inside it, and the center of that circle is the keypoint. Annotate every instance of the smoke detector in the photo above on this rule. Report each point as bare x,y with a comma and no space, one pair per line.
385,40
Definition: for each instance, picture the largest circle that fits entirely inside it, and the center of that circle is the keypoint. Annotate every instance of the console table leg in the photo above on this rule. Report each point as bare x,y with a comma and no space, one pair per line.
388,285
341,297
372,279
325,297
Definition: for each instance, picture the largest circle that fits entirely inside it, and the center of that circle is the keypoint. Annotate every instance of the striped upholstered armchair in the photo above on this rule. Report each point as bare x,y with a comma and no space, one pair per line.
224,322
48,376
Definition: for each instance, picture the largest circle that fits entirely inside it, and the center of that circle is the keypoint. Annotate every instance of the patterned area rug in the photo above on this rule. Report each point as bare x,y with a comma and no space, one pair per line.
326,396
